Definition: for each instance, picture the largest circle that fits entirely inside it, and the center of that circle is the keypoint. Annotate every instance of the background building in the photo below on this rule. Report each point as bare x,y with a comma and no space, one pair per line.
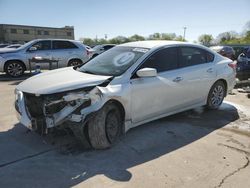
24,33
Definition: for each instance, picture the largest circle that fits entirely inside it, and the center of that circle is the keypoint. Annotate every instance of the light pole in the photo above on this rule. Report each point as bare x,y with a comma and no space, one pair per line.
184,33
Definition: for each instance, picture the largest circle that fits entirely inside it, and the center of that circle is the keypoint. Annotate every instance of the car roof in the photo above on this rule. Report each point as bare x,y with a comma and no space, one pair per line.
57,40
152,43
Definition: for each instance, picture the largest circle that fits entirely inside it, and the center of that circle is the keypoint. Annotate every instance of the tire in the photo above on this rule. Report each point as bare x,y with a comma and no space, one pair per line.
74,62
14,68
216,95
105,127
80,133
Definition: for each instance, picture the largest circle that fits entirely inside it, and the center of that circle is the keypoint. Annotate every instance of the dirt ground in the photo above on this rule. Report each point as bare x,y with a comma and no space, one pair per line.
197,148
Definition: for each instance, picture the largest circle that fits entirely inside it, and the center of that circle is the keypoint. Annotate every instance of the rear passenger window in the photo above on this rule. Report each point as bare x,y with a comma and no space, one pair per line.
63,45
190,56
163,60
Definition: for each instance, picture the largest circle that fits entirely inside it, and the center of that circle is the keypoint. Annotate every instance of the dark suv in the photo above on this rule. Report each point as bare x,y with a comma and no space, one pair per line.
226,51
243,65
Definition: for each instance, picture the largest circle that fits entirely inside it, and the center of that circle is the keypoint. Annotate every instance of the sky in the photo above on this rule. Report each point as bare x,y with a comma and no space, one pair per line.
92,18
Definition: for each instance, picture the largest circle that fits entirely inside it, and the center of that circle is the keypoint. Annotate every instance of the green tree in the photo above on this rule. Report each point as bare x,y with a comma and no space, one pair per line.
205,39
136,38
168,36
155,36
119,40
87,41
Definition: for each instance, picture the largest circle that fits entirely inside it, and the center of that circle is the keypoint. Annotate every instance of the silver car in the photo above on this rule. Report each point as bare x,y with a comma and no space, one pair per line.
124,87
69,53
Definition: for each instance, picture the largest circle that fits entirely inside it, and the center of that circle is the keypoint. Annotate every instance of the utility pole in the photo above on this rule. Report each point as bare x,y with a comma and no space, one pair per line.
184,34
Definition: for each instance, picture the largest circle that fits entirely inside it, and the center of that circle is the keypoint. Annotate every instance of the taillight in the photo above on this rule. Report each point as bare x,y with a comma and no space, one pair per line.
232,65
88,53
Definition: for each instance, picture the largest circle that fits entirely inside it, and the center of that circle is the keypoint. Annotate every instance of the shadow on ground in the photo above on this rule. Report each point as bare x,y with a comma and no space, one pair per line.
5,77
30,160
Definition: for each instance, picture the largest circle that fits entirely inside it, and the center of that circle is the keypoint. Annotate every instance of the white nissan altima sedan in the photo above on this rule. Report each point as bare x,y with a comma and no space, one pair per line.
124,87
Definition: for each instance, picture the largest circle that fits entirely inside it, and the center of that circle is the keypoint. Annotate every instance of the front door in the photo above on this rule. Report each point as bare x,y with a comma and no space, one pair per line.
153,96
43,50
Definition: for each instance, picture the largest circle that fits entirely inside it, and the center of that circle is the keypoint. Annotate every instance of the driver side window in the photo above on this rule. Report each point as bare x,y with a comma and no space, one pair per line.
43,45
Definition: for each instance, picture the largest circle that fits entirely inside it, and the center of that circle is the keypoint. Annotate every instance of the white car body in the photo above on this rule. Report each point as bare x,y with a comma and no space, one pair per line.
143,99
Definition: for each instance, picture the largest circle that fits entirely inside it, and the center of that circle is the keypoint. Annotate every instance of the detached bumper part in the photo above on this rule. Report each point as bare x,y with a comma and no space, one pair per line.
21,113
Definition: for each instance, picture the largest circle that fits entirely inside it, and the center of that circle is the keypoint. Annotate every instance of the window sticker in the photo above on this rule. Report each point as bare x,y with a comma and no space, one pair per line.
123,59
143,50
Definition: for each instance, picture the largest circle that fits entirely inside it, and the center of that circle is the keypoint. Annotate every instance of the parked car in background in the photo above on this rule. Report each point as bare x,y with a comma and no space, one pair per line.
90,51
69,53
226,51
126,86
3,45
14,46
101,48
243,65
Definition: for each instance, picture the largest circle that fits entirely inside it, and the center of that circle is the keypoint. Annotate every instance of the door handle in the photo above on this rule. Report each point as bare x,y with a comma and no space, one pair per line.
177,79
210,70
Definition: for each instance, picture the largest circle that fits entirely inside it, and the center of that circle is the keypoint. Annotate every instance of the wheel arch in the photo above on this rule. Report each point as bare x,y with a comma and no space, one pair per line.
25,68
224,82
119,105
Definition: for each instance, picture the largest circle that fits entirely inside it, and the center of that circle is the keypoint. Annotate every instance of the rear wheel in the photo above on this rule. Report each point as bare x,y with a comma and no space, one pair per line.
216,95
74,62
105,127
14,68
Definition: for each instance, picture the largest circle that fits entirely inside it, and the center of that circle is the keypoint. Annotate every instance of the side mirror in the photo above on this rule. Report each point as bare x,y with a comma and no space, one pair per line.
146,72
32,48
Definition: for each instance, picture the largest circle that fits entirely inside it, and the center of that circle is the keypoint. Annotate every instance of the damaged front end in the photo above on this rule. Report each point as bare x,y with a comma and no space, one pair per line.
41,112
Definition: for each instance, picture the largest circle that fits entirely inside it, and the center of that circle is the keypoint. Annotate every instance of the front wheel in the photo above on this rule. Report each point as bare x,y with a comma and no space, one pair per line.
14,68
216,95
105,127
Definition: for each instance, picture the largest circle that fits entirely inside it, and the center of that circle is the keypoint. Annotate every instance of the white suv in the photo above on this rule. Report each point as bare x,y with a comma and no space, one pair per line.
124,87
69,53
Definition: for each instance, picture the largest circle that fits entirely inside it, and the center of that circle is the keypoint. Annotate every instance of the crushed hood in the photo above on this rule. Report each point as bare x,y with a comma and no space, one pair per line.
60,80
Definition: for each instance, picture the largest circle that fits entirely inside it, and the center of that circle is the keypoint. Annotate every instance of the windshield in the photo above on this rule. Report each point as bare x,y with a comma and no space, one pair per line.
113,62
25,45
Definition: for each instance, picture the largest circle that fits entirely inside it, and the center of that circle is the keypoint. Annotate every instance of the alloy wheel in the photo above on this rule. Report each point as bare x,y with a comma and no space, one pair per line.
217,95
15,69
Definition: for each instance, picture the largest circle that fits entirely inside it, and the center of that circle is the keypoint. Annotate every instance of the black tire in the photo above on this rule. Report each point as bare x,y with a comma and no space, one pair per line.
216,95
81,135
74,62
14,68
105,127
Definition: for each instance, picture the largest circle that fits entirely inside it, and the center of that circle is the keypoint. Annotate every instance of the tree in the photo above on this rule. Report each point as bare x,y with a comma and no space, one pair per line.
136,38
155,36
119,40
87,41
205,39
168,36
226,36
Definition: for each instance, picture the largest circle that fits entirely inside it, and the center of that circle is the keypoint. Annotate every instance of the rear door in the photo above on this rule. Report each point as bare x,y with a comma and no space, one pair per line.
197,73
63,51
